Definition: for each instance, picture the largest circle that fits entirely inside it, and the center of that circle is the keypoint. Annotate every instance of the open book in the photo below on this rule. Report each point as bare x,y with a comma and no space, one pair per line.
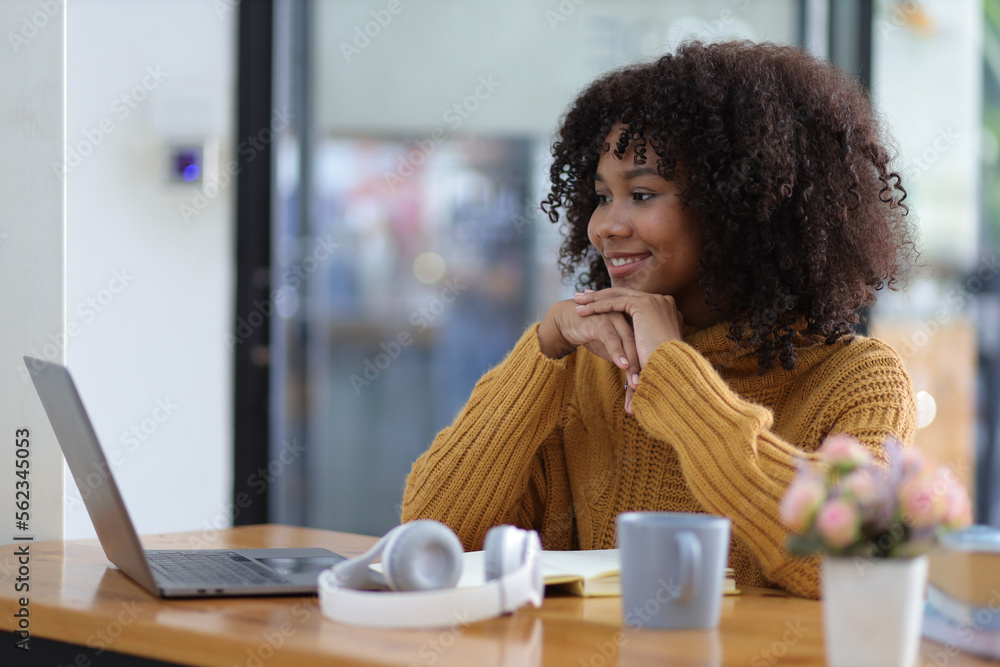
590,573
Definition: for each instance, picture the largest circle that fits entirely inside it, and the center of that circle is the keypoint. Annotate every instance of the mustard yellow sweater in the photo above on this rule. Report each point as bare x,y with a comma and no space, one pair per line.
547,444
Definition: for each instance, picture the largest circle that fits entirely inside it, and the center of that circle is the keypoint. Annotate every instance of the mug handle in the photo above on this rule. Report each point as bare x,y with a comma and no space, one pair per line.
689,549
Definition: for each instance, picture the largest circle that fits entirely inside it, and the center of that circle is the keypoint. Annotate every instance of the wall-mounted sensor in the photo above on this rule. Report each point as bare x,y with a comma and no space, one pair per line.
185,164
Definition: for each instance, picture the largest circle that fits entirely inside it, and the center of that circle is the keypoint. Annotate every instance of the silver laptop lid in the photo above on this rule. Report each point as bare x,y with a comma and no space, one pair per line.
90,469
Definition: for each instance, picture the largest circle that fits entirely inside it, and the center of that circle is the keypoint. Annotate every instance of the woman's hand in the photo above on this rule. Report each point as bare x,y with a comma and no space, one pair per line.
655,318
608,335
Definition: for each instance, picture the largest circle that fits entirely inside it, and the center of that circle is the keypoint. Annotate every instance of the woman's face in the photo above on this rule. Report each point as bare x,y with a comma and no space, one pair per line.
648,240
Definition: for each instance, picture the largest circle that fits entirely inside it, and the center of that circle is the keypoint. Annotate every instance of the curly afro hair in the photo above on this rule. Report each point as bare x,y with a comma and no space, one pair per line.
783,163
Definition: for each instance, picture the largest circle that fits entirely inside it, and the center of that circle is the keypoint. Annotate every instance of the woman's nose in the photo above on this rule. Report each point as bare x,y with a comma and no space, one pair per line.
614,222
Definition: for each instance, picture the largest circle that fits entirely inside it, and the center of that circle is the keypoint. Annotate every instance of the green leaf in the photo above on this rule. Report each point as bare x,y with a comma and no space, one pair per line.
806,545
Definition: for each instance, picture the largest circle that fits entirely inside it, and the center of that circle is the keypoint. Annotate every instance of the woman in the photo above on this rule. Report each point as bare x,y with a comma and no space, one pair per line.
733,208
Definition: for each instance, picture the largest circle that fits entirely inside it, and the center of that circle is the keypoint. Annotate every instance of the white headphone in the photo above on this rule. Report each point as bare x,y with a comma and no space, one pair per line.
421,562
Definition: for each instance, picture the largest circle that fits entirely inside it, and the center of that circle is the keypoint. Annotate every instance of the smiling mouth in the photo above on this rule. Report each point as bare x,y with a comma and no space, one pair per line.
623,261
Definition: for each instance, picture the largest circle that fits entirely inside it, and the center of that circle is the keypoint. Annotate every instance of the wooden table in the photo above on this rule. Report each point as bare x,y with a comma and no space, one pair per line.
78,598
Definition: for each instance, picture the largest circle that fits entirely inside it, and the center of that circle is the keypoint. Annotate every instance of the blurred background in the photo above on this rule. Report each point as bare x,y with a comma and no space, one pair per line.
314,224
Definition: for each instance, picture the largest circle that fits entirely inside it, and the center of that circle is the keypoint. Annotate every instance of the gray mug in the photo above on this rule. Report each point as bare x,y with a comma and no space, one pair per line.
672,568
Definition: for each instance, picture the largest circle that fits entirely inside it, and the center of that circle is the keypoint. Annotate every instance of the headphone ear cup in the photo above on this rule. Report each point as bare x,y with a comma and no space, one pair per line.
505,550
426,556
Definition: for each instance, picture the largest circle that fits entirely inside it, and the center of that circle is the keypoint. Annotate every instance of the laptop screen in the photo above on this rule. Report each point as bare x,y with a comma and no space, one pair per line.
90,469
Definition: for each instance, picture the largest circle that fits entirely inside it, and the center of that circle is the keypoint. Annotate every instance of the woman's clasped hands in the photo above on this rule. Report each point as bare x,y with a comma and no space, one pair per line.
621,325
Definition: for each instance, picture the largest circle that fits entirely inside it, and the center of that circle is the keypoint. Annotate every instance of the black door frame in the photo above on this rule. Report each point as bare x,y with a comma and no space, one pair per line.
255,118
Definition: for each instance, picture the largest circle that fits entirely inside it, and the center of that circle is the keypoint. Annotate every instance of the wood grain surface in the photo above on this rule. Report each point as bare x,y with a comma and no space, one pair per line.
78,597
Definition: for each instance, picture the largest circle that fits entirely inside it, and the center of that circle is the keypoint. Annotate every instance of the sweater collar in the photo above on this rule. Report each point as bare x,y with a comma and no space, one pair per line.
714,344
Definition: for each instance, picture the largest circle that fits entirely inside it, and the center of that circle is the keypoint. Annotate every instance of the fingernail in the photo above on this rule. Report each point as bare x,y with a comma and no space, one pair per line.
628,406
580,307
587,291
578,293
635,379
623,361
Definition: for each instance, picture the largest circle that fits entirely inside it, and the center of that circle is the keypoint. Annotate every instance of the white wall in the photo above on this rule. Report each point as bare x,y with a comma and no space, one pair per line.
150,295
32,196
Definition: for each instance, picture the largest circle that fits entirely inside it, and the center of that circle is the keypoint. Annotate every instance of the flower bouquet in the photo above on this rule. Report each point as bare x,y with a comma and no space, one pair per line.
874,523
845,504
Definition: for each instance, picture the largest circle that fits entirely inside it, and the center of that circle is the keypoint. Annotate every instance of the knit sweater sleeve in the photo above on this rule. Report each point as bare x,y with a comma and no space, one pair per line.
489,466
733,462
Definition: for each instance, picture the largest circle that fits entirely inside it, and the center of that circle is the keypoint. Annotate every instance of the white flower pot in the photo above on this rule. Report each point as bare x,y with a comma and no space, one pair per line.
872,610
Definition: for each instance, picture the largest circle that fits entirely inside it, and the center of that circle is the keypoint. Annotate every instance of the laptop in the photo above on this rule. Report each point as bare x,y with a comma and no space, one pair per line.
166,573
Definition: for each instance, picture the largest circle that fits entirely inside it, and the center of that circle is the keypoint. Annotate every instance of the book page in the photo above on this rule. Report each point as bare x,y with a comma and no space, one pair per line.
557,566
591,564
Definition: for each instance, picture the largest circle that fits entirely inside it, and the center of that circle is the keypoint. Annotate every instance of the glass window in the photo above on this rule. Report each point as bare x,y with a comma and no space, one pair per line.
428,135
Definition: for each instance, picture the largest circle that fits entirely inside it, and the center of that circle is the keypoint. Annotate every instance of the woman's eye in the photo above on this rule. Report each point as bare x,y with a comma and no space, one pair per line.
637,197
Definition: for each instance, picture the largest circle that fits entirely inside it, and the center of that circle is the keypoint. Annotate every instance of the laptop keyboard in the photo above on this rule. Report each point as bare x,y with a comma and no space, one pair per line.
213,568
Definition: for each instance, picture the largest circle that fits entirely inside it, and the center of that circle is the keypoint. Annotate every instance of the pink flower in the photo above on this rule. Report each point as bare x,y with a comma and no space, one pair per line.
922,505
842,501
913,462
958,510
803,499
838,523
859,485
844,452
